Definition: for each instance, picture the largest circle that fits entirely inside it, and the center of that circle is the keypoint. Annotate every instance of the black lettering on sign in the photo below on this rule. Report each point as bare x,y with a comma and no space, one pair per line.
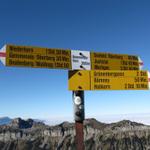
100,67
21,56
114,56
100,55
108,74
133,63
58,65
64,58
140,79
133,58
101,87
80,57
65,53
138,73
50,52
21,49
66,65
129,63
58,52
99,80
48,58
100,61
142,86
20,63
124,68
75,60
85,63
129,86
58,58
143,73
44,64
133,68
124,62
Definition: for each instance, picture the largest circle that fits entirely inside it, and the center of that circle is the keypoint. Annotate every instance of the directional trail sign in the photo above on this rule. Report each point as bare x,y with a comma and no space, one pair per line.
109,80
108,61
27,56
87,71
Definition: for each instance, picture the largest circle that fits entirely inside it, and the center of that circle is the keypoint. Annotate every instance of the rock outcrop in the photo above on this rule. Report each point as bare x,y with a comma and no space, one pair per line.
30,135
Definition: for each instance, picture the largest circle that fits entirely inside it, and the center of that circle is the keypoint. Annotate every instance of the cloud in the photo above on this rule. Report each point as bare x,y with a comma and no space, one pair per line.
140,118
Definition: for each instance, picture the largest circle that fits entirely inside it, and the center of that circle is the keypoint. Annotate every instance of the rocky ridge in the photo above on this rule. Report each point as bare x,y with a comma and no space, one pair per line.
28,134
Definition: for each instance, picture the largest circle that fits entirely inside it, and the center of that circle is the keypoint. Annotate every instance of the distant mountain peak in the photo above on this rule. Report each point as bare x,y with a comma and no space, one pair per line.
128,123
22,124
5,117
94,123
5,120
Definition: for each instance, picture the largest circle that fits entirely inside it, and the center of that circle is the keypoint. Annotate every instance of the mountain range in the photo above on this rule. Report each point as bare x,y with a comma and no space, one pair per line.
5,120
28,134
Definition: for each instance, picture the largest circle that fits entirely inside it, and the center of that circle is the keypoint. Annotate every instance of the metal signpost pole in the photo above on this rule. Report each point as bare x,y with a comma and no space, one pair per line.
78,100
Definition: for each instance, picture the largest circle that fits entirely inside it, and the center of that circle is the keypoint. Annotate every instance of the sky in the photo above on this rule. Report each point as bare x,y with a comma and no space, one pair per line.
115,26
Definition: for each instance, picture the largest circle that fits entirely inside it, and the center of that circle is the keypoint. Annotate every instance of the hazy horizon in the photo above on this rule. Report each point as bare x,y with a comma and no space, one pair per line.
139,118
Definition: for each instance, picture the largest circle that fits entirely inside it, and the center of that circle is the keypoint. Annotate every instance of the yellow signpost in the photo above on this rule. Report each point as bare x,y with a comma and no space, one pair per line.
108,80
108,61
26,56
36,57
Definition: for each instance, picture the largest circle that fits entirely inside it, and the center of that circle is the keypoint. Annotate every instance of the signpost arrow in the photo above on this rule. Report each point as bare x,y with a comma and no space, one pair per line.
3,55
109,80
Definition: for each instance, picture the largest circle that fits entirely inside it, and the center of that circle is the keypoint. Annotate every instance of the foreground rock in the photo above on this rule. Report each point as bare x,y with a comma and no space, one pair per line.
30,135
